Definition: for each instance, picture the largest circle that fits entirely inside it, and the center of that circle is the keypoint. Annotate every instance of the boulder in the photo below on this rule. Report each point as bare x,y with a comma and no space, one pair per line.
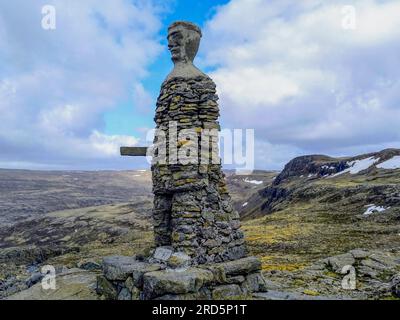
242,266
119,268
134,291
105,288
34,278
159,283
395,285
359,254
385,260
336,263
235,280
142,268
254,282
374,265
88,265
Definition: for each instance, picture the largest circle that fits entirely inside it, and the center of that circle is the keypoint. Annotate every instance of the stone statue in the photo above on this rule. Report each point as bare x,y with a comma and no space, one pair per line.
193,212
200,251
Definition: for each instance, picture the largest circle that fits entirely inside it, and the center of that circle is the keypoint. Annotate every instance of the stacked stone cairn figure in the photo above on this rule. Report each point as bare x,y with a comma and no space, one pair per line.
200,251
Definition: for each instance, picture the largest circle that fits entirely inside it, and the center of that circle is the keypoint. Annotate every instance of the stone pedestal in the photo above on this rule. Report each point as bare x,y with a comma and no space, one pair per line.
126,278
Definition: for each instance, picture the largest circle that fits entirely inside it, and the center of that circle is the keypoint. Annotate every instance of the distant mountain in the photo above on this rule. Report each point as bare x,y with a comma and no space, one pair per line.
314,166
366,180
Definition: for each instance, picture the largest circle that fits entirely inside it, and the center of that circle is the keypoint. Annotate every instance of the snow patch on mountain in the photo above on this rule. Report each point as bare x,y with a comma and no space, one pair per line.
357,166
373,209
253,181
393,163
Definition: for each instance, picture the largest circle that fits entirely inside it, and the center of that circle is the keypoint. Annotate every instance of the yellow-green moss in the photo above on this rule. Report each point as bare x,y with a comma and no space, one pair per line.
311,293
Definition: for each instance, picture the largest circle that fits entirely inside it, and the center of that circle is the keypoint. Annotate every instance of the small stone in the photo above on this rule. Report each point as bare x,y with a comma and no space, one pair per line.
395,285
124,294
119,268
211,243
61,270
236,253
255,282
359,253
34,278
208,215
135,294
88,265
235,280
129,283
105,288
272,285
179,260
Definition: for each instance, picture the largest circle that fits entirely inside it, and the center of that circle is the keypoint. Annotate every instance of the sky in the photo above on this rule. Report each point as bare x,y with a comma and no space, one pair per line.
310,77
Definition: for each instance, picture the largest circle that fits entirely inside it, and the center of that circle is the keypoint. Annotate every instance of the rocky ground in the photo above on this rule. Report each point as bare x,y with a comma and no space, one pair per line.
304,224
66,231
29,194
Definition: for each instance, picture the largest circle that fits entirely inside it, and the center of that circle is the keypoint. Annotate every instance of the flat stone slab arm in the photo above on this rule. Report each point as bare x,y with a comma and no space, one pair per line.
134,151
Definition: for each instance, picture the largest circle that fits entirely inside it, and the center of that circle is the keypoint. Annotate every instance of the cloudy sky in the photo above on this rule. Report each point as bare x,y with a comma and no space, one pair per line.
305,75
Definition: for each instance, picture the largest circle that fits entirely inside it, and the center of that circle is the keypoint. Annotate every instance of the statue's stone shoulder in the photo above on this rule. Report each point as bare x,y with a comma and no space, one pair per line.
203,79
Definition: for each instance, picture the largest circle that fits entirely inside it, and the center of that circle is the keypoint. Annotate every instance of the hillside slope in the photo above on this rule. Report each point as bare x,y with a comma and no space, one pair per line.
320,206
343,185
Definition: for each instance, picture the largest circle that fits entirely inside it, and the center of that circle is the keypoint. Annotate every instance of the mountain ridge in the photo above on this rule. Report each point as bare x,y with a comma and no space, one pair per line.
323,174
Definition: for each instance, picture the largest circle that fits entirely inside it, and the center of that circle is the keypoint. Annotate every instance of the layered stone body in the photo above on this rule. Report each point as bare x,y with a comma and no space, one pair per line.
193,211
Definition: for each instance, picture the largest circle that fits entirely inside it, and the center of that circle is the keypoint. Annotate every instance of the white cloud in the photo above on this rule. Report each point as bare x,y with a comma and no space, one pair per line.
305,84
56,85
143,100
245,87
110,145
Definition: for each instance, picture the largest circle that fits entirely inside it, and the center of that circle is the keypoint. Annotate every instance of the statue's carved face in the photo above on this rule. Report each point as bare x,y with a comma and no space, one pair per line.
183,44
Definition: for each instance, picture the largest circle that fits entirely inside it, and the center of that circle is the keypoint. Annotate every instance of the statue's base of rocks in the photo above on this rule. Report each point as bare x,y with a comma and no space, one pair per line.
169,276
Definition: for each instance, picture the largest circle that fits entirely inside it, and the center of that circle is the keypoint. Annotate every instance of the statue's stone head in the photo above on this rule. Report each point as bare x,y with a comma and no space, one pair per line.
183,41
